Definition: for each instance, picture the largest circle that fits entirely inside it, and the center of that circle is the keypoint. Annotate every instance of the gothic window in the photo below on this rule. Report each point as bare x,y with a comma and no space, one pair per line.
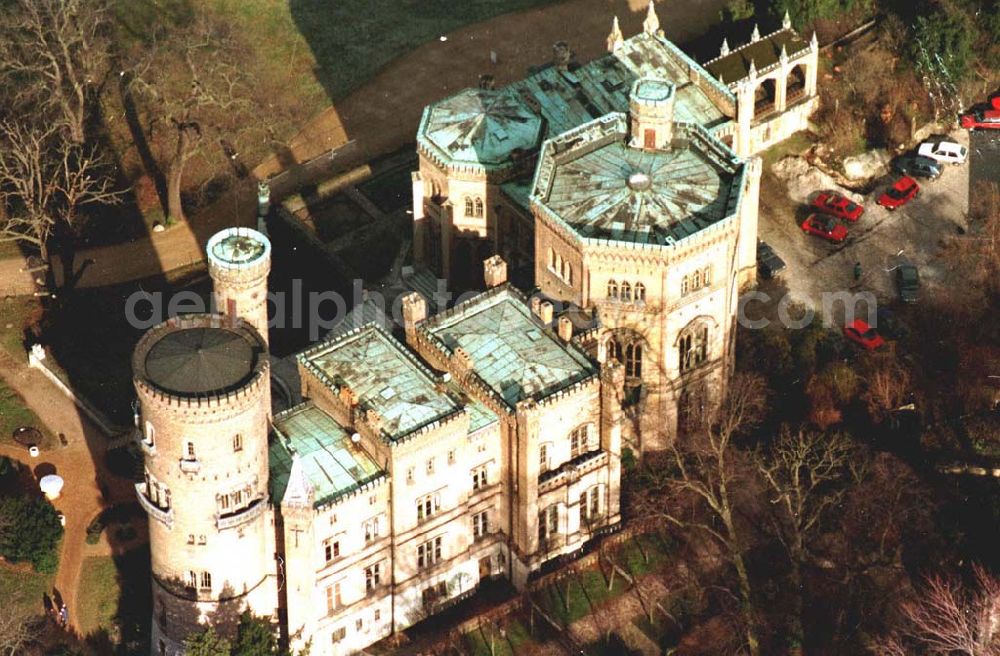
543,457
552,259
238,442
615,349
693,347
568,274
469,207
206,581
548,522
626,292
633,360
479,207
640,292
685,285
612,289
579,441
696,279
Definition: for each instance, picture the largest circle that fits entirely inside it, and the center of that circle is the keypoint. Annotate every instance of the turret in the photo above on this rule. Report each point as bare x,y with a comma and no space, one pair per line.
239,261
651,109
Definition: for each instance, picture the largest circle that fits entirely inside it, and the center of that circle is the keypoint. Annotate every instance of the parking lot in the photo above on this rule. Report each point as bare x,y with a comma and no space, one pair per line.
881,239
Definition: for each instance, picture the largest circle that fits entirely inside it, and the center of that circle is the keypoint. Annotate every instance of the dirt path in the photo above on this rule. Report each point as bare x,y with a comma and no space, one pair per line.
81,499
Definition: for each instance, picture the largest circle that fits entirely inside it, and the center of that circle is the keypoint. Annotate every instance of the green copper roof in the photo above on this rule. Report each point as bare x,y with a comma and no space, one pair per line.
511,350
332,465
453,130
652,90
385,376
602,188
736,65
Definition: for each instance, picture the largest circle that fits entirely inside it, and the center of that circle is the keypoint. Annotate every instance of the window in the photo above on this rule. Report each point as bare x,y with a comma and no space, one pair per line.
697,279
373,577
333,600
206,581
479,207
192,580
612,289
685,286
434,592
640,292
238,442
451,457
359,624
371,529
331,549
693,348
579,441
378,614
633,360
150,433
428,505
543,458
338,634
429,553
615,349
223,500
190,451
590,505
190,538
430,465
166,497
480,525
201,540
479,477
469,208
548,522
626,292
552,259
409,475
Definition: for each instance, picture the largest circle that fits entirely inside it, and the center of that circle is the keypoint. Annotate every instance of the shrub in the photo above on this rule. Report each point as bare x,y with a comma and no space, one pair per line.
32,532
94,530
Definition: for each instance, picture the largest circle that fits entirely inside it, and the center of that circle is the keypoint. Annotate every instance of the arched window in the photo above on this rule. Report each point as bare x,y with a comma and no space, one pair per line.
206,581
696,279
706,276
692,348
633,360
612,289
469,208
479,207
579,441
568,276
552,259
626,292
615,350
559,264
640,292
685,286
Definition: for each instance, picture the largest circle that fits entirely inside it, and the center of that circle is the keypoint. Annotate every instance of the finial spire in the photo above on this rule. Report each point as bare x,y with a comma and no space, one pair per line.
724,50
814,42
786,22
755,35
652,23
783,57
615,39
752,72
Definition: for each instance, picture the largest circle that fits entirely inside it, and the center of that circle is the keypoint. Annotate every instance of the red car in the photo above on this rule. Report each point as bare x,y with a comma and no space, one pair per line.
982,118
863,335
838,206
825,227
900,193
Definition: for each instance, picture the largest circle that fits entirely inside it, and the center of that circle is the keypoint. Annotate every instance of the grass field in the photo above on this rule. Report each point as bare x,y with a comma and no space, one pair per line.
21,588
98,594
14,414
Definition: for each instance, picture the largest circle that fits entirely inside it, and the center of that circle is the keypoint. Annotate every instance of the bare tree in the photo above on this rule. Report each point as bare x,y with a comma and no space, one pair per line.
948,618
45,178
193,87
55,53
705,471
803,471
15,625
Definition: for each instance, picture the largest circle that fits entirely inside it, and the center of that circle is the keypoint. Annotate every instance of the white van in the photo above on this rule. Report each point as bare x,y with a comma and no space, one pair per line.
943,151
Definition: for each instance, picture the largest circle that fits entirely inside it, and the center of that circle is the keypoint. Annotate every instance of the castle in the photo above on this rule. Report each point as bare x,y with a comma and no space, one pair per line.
482,440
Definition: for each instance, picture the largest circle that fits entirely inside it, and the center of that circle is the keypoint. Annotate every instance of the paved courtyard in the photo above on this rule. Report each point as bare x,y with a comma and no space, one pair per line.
880,240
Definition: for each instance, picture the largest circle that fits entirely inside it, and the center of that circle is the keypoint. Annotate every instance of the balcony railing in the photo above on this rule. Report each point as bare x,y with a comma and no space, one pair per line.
164,516
574,468
241,517
190,466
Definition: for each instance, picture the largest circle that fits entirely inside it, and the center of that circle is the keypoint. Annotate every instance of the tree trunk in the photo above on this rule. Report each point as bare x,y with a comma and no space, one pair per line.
175,175
753,642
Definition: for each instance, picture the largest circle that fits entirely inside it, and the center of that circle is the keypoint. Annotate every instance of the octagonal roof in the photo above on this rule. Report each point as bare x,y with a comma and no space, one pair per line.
593,182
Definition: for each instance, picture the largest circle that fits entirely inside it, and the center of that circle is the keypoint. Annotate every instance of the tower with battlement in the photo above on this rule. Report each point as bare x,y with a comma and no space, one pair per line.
239,261
203,389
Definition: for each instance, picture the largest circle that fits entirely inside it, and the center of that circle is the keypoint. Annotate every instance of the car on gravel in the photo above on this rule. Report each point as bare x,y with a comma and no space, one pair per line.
944,151
900,193
982,119
769,265
838,206
908,282
826,227
917,166
863,335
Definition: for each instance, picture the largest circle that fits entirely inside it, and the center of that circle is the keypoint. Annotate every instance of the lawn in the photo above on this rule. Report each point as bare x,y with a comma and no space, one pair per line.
18,312
516,636
22,588
98,594
14,414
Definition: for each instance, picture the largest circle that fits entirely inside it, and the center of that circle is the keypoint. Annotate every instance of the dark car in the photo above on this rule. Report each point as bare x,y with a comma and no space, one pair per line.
768,263
918,166
908,280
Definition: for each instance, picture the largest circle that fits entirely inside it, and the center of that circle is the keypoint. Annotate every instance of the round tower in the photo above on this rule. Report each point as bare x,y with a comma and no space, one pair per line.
651,109
203,389
239,260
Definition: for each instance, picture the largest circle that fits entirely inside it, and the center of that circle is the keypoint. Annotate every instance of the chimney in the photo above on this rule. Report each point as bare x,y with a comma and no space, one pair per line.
536,306
561,55
494,271
462,361
565,328
545,312
414,311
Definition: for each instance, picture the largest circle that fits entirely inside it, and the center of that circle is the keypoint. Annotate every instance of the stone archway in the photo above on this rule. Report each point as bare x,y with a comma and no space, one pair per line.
765,96
795,83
